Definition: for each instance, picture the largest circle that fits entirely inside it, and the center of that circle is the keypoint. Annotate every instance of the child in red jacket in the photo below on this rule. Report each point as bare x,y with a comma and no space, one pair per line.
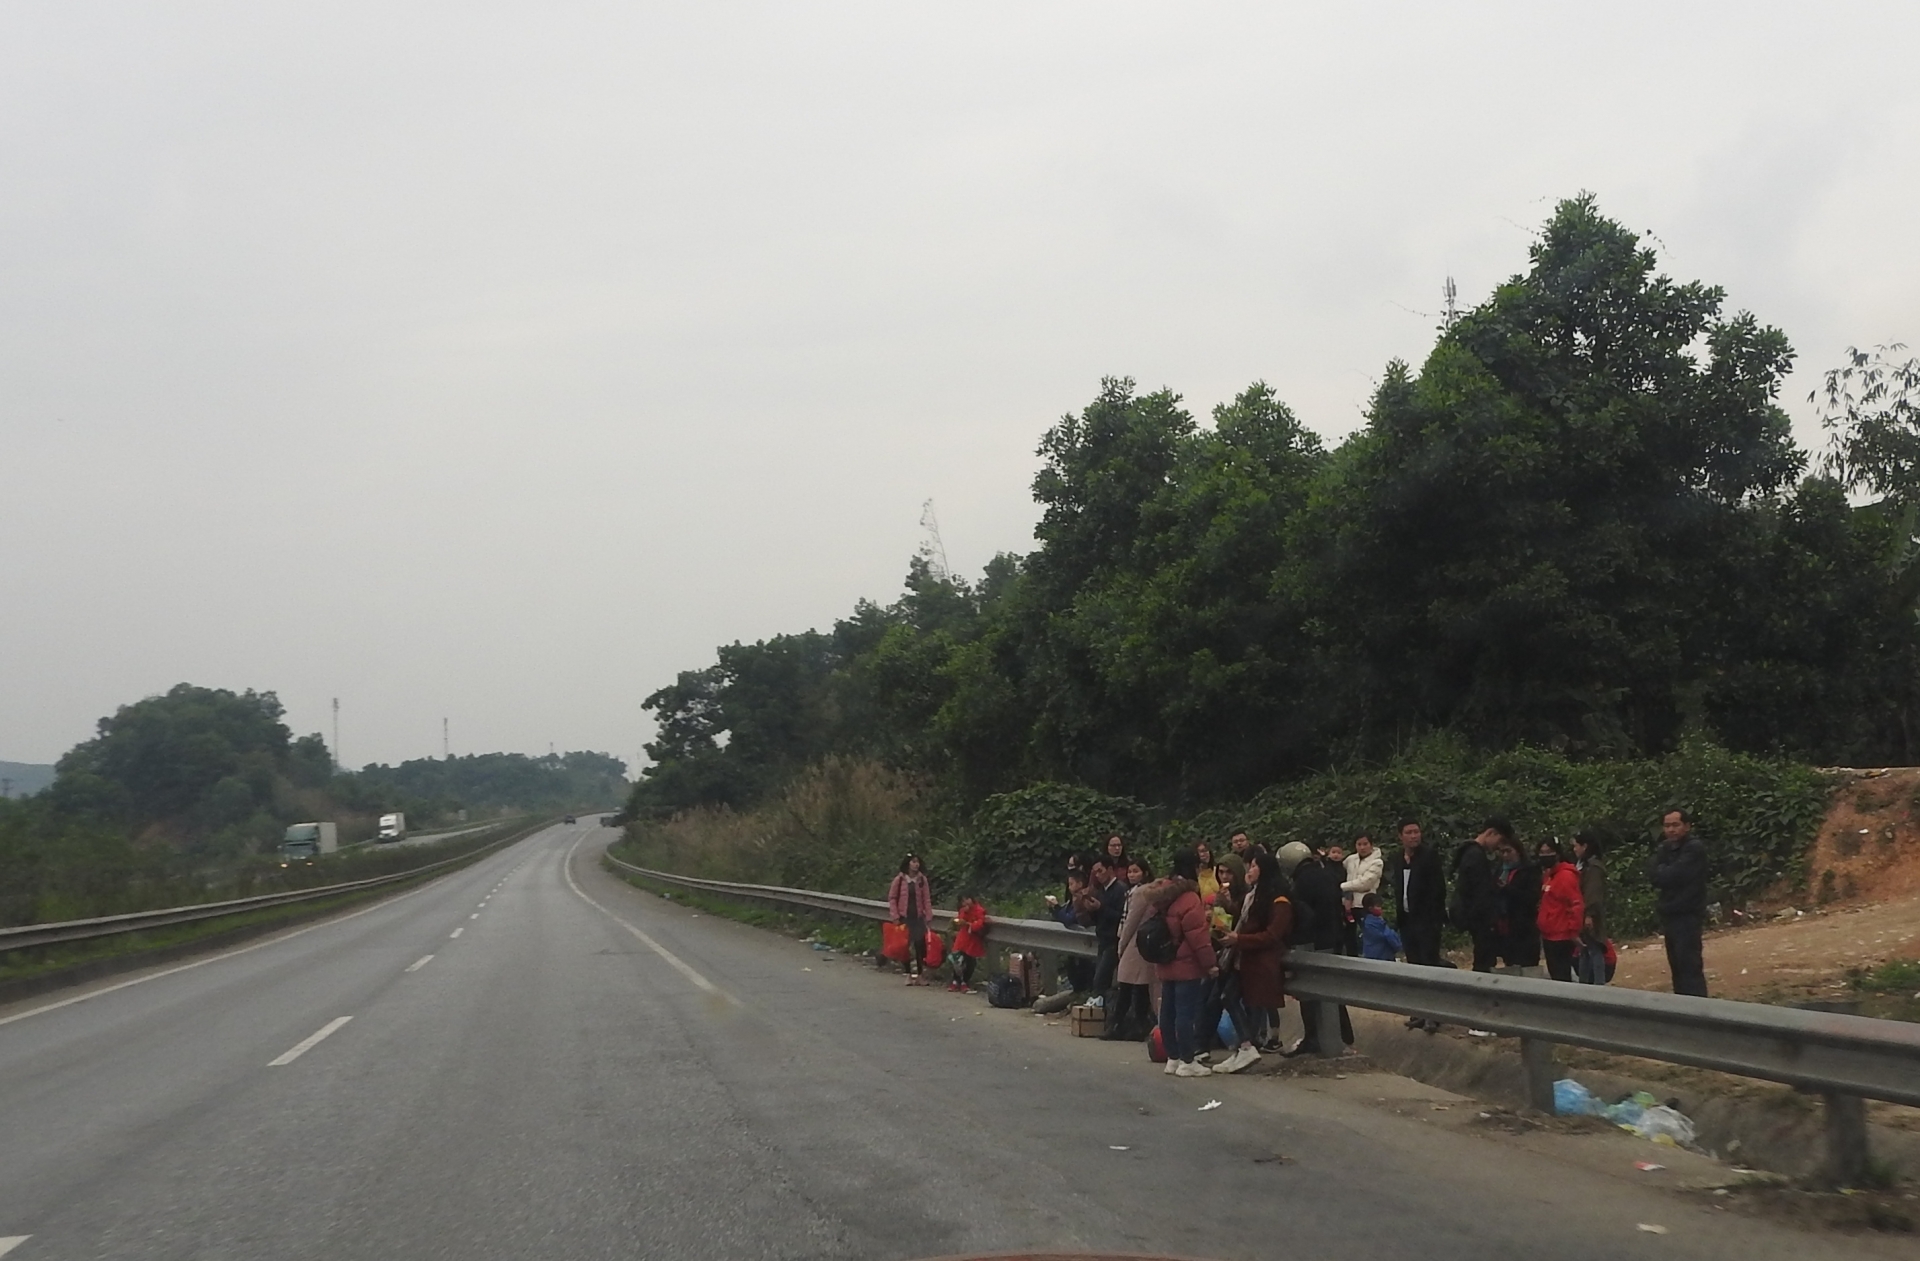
969,942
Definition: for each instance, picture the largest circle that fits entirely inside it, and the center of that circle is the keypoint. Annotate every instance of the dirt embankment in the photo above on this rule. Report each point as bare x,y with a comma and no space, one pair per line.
1859,910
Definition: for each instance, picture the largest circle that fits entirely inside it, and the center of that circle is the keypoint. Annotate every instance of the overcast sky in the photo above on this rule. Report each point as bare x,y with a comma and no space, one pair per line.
496,361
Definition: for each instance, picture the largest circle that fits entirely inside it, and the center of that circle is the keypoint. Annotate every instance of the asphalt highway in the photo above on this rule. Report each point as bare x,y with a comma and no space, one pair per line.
529,1058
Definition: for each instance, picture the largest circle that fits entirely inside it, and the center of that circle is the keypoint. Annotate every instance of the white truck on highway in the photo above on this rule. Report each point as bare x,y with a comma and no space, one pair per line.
305,842
393,827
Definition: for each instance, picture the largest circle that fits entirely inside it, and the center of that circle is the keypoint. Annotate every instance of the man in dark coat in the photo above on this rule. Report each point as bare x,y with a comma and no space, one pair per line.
1101,906
1319,925
1678,874
1476,892
1418,887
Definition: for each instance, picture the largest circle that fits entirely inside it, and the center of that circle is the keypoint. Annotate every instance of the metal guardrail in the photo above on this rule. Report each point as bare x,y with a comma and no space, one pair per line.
28,935
1025,934
1844,1057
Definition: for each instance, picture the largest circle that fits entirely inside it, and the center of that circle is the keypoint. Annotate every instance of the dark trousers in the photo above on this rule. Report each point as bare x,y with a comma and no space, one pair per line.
962,967
1179,1019
1421,940
916,945
1105,964
1310,1014
1559,958
1486,949
1593,963
1130,1015
1684,957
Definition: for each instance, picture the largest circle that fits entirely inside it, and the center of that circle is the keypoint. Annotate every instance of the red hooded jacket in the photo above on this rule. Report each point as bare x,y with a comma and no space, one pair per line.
1562,910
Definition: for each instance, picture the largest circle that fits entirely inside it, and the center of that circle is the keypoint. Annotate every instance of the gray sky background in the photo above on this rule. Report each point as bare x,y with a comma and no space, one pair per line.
497,361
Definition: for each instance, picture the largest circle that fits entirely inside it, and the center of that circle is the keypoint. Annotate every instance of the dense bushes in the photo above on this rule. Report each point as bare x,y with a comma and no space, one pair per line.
843,825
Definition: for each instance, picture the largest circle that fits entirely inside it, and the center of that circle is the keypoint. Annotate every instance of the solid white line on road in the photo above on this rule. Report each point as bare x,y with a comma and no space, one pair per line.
9,1242
309,1042
201,963
456,932
680,965
419,963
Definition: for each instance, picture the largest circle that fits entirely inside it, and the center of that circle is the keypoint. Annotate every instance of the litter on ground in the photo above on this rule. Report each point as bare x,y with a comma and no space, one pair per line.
1208,1106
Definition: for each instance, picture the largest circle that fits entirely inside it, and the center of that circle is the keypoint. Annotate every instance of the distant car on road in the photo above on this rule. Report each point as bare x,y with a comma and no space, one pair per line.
569,818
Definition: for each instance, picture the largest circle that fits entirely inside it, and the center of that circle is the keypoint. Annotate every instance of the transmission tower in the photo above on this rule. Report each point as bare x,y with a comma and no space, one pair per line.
932,550
337,763
1452,309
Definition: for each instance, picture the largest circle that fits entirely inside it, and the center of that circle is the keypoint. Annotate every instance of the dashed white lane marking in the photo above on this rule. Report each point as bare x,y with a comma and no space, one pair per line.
680,965
475,915
9,1242
419,963
309,1042
456,932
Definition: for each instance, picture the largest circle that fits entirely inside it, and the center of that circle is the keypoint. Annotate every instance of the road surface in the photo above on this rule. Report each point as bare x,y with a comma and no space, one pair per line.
529,1058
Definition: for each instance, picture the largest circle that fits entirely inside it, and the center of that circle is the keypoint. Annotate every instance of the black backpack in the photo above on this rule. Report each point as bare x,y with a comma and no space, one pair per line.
1155,941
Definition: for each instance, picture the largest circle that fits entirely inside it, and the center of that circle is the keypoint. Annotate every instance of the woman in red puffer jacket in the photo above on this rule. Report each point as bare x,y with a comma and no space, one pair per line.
1181,981
1562,911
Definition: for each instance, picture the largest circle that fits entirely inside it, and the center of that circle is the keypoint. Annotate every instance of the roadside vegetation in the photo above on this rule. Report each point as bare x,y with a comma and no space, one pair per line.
1573,568
184,798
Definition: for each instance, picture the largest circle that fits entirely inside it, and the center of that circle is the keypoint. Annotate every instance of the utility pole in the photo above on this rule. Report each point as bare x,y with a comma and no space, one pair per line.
445,754
338,764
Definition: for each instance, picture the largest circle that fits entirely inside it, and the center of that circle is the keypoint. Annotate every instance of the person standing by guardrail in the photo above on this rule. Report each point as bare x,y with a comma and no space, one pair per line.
1101,906
1130,1019
1419,888
1475,904
1561,911
910,900
1181,979
1678,873
1592,964
1318,927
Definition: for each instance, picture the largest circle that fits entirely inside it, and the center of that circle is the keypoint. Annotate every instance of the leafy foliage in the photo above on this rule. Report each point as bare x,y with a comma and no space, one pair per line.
1572,563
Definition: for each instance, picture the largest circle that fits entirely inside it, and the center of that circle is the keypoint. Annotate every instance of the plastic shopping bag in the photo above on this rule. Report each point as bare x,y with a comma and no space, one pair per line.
893,942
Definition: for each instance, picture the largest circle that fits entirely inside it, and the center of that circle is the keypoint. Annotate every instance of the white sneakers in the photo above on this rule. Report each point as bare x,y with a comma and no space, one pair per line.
1192,1070
1173,1066
1247,1054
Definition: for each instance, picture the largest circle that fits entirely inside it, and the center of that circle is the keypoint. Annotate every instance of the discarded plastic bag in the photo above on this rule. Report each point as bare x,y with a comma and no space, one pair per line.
1571,1099
1661,1123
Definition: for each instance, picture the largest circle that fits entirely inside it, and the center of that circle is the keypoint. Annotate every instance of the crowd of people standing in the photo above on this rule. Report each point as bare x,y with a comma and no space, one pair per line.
1198,953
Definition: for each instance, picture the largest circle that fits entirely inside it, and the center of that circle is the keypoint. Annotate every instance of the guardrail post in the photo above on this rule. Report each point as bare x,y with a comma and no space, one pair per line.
1847,1154
1536,1057
1330,1043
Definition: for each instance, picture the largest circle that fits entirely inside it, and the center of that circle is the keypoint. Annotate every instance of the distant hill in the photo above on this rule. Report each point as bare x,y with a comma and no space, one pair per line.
27,777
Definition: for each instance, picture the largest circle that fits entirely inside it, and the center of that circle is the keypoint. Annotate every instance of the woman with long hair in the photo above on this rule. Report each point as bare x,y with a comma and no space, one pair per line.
1131,1016
1259,944
910,901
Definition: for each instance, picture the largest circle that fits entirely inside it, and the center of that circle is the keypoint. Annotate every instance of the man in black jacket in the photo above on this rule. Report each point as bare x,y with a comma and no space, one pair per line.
1418,886
1101,906
1476,891
1678,874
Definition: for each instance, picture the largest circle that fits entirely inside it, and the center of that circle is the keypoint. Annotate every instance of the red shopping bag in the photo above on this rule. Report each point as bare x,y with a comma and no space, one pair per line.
893,942
936,949
1156,1049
